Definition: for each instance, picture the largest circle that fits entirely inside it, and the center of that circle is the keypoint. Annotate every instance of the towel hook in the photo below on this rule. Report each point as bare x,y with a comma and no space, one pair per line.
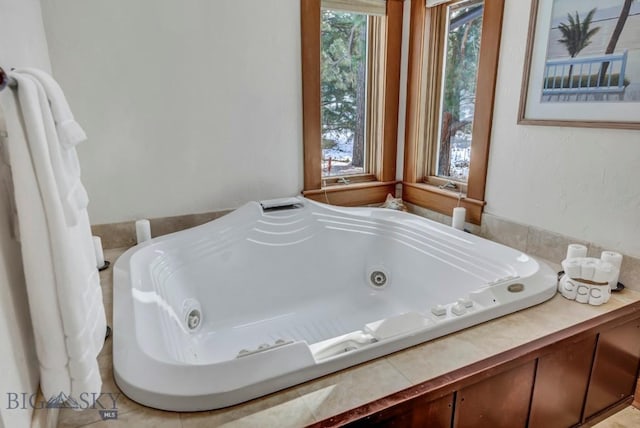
5,80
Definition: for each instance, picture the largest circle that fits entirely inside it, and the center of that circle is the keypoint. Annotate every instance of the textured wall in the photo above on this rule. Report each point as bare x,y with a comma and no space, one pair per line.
189,106
574,181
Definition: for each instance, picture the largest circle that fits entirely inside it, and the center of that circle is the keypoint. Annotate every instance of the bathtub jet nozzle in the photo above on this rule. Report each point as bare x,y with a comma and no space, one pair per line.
192,315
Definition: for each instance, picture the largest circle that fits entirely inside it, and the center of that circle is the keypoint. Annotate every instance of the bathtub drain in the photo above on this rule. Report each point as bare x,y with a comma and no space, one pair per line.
378,278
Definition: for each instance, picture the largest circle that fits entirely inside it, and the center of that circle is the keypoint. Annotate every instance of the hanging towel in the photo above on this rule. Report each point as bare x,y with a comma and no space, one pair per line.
7,179
70,132
65,162
63,285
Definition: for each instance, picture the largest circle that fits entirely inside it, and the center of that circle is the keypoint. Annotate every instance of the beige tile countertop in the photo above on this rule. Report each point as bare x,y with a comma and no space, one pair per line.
321,398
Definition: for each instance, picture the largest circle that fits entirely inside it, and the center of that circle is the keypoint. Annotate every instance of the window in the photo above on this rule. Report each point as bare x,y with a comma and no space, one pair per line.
351,74
453,60
344,80
463,35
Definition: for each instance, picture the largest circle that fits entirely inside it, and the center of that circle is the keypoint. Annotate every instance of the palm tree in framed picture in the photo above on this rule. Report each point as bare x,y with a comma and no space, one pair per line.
576,34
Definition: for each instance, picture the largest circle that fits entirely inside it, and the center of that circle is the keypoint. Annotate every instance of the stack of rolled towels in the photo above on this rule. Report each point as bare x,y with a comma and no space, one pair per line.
588,279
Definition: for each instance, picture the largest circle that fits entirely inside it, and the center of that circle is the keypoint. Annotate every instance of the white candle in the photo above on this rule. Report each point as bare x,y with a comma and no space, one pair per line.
459,216
97,247
143,231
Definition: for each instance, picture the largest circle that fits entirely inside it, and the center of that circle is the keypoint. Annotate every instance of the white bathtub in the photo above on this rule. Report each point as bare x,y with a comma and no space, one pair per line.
258,301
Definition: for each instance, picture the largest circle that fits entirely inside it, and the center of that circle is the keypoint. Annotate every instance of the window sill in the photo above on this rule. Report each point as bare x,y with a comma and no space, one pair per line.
351,179
353,194
441,200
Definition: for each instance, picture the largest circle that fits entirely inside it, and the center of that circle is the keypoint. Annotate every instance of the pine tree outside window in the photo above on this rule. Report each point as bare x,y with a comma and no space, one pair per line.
351,75
453,63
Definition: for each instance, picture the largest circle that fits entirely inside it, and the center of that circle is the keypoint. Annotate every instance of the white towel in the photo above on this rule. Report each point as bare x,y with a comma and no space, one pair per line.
70,133
7,179
64,158
65,299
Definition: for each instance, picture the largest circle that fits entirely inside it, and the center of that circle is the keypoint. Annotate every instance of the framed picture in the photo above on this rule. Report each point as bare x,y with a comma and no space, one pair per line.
582,64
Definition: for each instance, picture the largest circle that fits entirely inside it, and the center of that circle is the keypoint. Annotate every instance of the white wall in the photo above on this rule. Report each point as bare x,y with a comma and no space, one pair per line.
583,183
22,43
190,106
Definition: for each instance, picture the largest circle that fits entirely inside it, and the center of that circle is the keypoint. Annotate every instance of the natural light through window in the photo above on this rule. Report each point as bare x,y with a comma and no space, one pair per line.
344,74
464,30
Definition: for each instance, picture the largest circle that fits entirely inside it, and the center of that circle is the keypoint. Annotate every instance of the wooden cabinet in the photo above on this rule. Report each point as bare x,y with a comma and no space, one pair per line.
615,367
561,384
499,401
415,413
566,379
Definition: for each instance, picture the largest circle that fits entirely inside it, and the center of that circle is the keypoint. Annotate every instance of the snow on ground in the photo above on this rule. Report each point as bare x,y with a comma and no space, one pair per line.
339,157
342,154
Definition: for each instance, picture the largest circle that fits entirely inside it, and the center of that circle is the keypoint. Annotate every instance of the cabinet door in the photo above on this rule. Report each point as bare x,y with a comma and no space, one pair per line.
615,367
500,401
561,384
416,413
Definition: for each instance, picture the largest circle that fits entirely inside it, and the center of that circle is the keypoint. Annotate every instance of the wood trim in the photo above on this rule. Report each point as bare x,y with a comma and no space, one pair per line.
387,171
423,101
442,201
386,128
375,94
311,121
473,373
485,97
352,179
580,124
435,51
353,194
413,152
524,88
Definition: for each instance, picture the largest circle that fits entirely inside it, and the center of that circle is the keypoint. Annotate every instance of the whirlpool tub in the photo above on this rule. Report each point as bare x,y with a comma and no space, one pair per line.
280,292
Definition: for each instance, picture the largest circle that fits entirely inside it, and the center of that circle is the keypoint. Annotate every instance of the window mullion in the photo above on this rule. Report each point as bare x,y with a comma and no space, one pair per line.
435,44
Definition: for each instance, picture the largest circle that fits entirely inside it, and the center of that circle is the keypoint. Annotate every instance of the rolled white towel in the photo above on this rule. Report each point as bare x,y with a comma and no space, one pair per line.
588,269
576,250
572,267
604,272
615,259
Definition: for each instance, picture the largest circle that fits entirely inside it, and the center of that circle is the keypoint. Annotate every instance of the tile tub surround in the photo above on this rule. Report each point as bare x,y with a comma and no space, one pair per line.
352,388
535,241
550,245
121,235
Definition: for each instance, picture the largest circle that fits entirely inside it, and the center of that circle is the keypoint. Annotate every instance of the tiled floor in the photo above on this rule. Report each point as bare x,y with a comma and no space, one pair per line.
628,417
298,406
